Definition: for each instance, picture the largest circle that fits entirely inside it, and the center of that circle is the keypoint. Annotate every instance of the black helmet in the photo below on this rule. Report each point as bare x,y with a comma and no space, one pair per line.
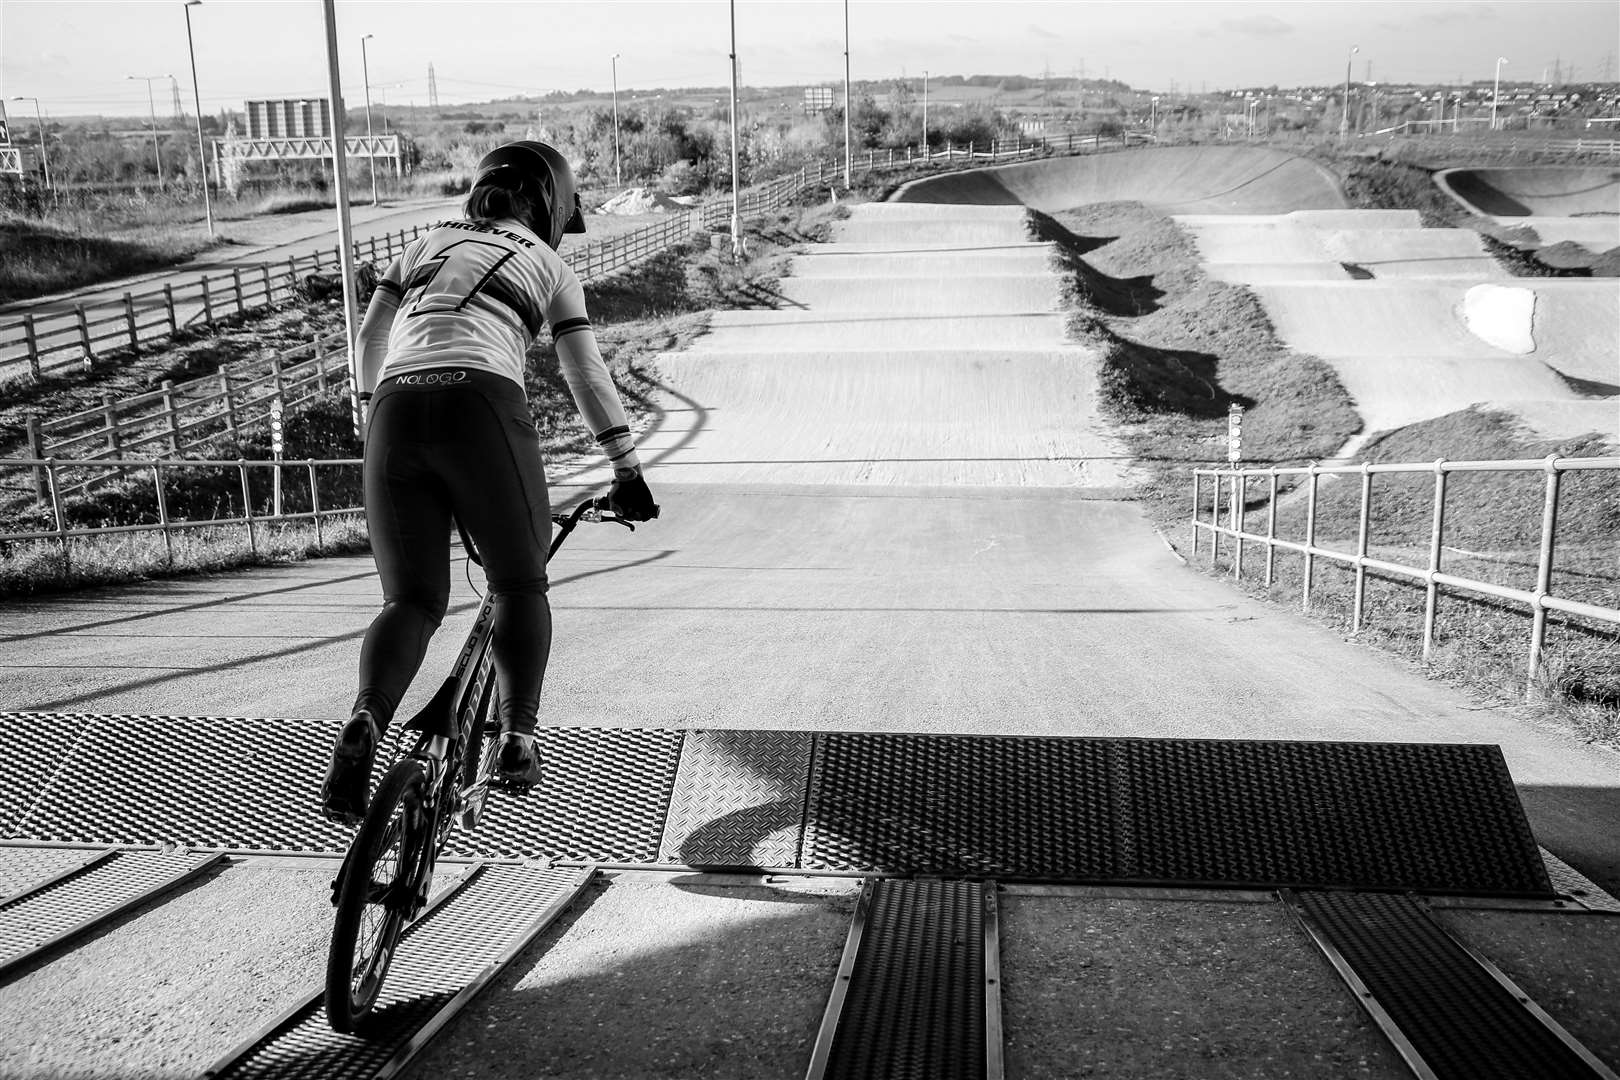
539,171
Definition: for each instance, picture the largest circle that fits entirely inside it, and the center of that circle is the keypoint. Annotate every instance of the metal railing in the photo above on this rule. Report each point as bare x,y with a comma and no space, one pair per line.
1540,600
49,473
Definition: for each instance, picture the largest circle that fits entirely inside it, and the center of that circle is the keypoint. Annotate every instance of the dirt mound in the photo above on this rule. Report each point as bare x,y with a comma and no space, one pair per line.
641,200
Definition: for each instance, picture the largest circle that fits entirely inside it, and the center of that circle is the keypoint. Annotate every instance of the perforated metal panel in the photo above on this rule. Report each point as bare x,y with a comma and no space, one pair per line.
440,957
1461,1022
49,918
961,806
915,1003
739,799
1370,815
603,799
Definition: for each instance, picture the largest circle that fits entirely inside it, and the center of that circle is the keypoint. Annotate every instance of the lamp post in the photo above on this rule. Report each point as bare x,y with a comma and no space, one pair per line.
44,157
927,149
196,97
340,184
618,172
1496,94
371,149
151,106
736,195
847,184
1344,121
1153,116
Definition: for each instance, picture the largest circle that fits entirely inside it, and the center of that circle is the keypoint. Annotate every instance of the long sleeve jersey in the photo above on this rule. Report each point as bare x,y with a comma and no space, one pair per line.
476,294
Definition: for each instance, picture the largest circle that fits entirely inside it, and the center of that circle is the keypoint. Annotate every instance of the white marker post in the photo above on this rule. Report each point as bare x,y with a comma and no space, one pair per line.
1234,433
340,183
277,446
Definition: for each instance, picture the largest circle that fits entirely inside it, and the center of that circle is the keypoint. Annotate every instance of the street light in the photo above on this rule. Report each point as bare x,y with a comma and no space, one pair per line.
151,105
1153,117
926,147
618,173
847,184
371,149
1496,95
1344,122
736,196
196,97
43,156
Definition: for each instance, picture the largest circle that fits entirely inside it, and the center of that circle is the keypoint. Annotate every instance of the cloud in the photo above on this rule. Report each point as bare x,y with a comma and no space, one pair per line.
1258,26
1043,32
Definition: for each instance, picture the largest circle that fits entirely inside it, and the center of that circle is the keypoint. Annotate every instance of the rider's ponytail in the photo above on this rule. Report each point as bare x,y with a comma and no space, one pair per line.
490,201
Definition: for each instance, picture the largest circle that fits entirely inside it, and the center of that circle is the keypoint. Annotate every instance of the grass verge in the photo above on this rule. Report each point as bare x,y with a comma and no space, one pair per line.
42,259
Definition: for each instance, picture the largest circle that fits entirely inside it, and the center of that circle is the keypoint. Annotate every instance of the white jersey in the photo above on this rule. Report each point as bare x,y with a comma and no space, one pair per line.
476,294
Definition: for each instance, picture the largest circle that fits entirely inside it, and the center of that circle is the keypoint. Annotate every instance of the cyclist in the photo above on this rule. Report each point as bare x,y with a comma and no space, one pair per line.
441,361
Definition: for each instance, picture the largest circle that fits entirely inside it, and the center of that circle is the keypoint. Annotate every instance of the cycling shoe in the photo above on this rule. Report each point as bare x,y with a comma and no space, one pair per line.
517,765
347,787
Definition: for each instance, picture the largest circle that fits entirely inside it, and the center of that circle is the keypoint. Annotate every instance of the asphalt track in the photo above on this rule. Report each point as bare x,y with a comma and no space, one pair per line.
900,519
1545,205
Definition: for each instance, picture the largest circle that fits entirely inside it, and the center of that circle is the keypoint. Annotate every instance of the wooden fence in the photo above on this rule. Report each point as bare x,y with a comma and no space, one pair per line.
179,416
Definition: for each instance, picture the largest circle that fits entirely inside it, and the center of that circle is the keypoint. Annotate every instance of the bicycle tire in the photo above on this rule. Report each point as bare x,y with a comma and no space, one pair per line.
372,913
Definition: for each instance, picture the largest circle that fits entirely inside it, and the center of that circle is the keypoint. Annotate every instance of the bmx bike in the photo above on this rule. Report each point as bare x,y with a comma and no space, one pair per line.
387,874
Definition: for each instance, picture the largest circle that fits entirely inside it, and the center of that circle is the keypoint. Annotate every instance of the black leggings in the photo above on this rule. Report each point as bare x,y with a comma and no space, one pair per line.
455,441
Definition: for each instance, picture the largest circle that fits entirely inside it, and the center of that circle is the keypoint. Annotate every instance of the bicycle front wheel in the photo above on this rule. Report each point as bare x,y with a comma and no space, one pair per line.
377,896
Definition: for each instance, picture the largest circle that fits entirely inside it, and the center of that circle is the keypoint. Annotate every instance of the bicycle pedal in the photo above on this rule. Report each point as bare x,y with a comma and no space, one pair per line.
510,787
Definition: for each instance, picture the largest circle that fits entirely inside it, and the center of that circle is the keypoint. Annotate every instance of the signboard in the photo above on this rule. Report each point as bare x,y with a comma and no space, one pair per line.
817,99
289,118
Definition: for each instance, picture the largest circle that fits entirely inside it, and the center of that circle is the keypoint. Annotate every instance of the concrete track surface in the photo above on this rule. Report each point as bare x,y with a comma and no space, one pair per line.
1578,204
902,519
1395,308
1172,179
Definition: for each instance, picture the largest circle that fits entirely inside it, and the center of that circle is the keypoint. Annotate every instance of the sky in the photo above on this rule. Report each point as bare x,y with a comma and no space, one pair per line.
77,56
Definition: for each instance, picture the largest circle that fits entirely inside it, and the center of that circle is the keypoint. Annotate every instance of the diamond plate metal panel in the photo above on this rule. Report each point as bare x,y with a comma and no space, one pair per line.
1571,882
603,799
915,1006
81,901
210,782
966,806
36,744
1363,815
1463,1023
439,957
739,799
21,868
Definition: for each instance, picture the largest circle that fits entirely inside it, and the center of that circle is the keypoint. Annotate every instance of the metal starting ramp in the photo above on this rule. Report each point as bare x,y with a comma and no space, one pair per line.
1359,843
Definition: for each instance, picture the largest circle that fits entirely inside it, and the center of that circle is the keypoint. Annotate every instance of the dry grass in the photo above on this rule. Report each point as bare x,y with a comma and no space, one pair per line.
41,566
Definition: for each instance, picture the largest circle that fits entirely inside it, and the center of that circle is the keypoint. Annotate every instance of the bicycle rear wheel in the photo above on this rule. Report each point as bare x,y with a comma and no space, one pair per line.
378,895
